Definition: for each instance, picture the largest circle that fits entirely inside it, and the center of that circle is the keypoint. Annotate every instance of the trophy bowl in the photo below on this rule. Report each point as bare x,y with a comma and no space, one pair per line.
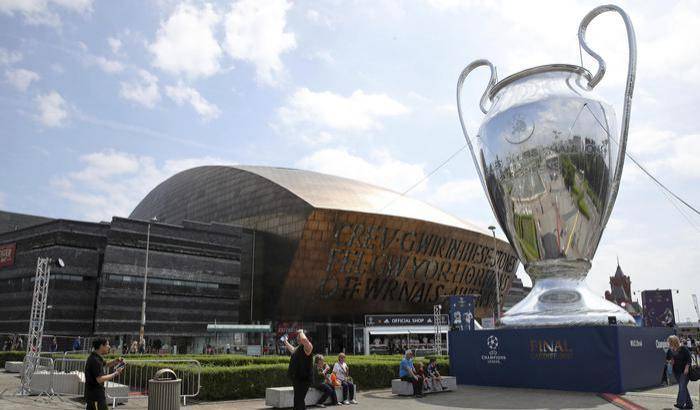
549,161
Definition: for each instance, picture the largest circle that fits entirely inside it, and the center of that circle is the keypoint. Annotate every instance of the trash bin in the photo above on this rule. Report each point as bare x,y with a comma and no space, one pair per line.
164,391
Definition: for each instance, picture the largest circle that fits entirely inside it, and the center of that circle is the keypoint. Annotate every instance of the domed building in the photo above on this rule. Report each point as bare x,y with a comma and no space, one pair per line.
334,249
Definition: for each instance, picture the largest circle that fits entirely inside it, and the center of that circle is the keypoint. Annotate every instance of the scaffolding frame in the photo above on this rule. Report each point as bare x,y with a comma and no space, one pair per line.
36,322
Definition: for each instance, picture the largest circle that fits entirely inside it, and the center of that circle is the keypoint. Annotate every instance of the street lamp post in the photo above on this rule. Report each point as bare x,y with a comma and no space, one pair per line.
495,271
145,282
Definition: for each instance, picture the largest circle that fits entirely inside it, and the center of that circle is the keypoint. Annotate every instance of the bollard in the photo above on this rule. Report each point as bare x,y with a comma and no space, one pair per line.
164,391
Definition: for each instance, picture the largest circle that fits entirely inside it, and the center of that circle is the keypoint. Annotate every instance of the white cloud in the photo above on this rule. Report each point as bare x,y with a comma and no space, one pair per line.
328,111
20,78
185,43
143,91
42,12
107,65
255,33
317,17
114,44
182,94
382,170
111,183
9,57
53,109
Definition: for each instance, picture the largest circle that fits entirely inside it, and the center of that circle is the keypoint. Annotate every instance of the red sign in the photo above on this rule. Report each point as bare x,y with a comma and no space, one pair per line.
7,254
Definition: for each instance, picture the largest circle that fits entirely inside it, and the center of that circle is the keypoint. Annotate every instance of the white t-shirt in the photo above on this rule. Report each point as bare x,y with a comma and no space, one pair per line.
341,371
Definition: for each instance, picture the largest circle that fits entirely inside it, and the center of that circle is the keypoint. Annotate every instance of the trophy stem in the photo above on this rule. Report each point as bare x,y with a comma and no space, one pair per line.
564,301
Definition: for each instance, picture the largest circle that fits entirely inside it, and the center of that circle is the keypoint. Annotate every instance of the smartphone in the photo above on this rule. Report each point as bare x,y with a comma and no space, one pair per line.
120,366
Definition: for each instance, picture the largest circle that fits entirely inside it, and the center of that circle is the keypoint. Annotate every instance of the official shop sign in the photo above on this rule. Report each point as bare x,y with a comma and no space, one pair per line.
404,320
493,356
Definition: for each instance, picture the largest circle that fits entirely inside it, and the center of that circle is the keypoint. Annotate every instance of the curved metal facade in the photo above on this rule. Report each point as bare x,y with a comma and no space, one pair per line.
334,249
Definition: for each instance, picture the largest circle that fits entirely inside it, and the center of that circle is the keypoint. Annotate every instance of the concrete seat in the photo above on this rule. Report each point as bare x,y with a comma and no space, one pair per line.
283,397
13,367
403,388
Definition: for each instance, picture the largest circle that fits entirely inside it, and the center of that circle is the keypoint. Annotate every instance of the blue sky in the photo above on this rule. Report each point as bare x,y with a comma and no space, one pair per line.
101,101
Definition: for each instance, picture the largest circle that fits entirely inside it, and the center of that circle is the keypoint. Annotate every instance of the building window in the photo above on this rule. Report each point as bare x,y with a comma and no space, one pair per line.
167,282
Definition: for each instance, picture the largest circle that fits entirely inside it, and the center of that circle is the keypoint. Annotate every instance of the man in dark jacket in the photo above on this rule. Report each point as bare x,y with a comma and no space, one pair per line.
300,368
95,377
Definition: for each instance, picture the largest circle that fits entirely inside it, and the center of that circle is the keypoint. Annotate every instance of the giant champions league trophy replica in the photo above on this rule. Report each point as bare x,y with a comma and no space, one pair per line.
550,161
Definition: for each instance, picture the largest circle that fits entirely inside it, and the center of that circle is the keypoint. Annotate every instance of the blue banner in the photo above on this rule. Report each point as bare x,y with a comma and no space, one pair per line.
658,308
461,313
595,359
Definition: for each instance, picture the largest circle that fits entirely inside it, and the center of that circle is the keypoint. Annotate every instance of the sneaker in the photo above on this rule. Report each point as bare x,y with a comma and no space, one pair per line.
346,402
321,405
420,396
353,401
444,388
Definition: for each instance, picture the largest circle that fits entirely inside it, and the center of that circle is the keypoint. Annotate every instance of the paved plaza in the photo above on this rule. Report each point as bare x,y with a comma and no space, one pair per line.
466,397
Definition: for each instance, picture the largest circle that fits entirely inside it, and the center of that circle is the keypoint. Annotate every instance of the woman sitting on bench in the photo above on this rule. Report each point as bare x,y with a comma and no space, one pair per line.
342,373
322,381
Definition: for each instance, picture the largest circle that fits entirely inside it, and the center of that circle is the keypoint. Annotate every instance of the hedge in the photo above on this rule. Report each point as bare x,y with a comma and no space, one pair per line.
248,382
11,356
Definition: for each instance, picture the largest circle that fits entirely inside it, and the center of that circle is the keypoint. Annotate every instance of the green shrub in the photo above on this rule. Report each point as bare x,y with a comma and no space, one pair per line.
12,356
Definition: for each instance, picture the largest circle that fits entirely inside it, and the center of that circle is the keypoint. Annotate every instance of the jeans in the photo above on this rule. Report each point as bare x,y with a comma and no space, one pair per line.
300,390
348,388
669,371
417,384
683,400
327,391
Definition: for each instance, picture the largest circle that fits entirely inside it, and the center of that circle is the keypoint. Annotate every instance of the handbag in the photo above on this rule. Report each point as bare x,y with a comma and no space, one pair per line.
694,373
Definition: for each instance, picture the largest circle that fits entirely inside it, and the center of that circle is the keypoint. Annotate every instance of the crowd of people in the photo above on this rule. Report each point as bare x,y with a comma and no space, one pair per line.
307,370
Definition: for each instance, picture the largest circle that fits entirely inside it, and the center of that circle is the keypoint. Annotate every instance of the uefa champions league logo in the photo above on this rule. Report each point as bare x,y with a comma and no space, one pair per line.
492,342
493,357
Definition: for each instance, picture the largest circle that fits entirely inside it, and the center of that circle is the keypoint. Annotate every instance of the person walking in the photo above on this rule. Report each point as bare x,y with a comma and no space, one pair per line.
342,373
679,357
94,376
408,373
300,369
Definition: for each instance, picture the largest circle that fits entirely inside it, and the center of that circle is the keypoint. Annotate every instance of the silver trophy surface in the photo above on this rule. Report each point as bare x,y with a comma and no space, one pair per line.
550,162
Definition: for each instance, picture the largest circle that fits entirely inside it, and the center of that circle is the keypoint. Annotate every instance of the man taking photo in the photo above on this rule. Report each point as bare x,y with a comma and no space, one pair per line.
95,377
300,368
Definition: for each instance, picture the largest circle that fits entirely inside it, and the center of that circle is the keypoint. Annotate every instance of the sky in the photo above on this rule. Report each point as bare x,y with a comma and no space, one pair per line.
100,101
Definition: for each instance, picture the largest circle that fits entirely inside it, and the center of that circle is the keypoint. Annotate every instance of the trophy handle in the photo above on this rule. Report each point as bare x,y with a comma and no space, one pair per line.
629,88
460,83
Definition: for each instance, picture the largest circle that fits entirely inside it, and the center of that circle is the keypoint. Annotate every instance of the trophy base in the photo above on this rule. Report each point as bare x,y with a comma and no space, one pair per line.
564,302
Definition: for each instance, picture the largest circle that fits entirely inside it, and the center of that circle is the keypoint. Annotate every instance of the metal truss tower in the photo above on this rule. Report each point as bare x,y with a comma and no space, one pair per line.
437,316
36,322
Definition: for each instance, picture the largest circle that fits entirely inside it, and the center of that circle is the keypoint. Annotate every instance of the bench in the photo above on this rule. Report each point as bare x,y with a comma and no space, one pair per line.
283,397
403,388
13,367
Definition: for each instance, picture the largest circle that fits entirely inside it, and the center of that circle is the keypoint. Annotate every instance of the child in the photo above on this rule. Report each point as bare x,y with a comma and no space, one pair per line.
421,373
434,374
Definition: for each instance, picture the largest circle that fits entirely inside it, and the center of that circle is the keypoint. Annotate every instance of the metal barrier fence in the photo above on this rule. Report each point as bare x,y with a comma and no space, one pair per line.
41,380
132,383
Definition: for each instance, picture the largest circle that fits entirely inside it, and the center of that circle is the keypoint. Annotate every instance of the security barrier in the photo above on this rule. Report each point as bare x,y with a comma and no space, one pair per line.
41,381
132,383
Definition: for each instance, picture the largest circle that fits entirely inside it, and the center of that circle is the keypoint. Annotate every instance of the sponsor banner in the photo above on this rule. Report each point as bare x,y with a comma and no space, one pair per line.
7,254
462,313
658,308
403,320
599,359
